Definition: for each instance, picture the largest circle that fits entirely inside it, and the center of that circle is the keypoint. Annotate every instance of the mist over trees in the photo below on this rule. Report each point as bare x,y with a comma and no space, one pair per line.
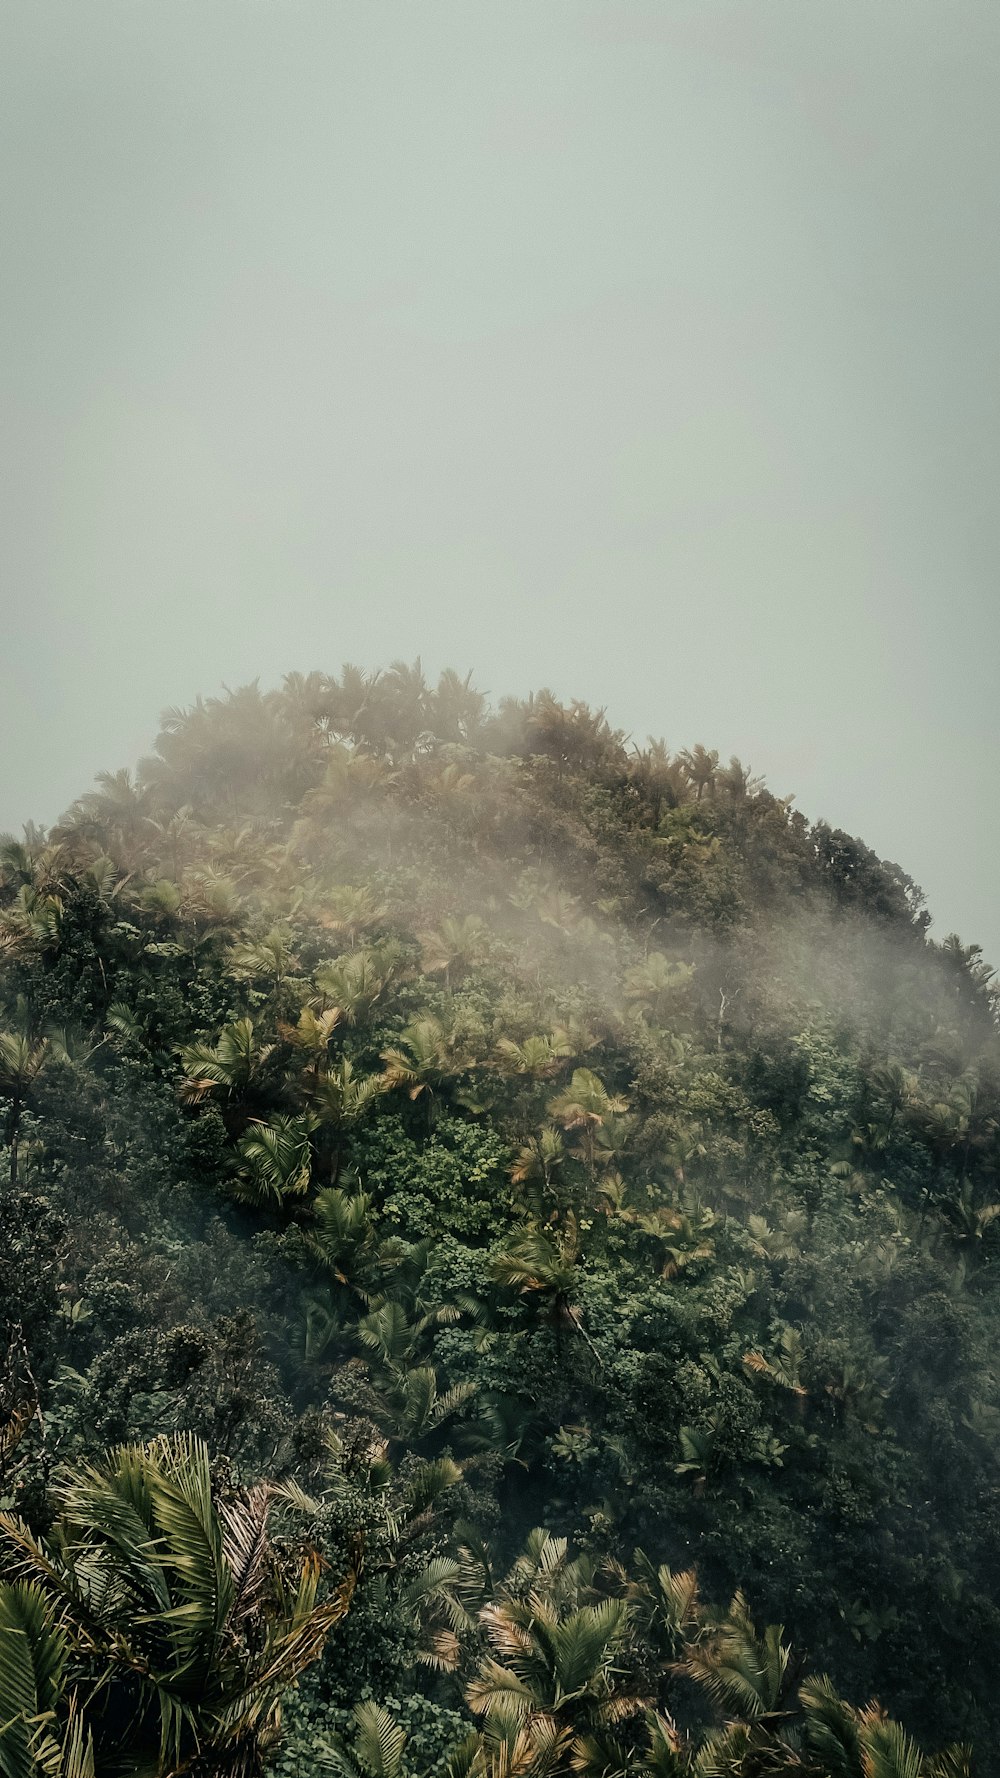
501,1264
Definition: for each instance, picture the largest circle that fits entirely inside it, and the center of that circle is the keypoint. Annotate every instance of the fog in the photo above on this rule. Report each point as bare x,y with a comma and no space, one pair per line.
644,351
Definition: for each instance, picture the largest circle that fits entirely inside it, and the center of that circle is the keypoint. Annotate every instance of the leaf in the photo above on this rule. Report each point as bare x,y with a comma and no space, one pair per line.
379,1741
32,1661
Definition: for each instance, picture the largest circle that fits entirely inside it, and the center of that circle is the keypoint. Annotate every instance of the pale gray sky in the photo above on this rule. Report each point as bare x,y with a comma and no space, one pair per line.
647,351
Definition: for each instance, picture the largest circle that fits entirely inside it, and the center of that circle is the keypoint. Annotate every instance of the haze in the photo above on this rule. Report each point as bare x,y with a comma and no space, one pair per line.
646,352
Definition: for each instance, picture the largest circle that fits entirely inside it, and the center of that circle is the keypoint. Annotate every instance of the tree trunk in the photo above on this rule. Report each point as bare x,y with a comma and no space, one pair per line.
15,1132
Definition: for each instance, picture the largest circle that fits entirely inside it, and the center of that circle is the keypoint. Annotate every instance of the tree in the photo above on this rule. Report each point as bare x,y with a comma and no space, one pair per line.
552,1677
42,1733
701,767
454,947
352,985
184,1619
659,779
746,1674
343,1238
339,1098
277,1161
377,1749
231,1068
655,987
538,1165
350,911
538,1057
542,1265
423,1061
117,813
23,1060
586,1108
33,921
270,959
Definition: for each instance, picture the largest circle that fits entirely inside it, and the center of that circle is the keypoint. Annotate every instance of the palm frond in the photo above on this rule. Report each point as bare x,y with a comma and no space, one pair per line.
379,1740
32,1661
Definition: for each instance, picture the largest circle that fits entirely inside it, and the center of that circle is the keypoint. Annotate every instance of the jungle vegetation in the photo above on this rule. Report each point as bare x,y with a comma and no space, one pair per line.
500,1267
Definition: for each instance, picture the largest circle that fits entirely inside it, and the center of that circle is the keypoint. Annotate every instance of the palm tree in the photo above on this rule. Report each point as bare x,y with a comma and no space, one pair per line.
349,698
850,1743
117,813
410,1404
659,779
231,1068
378,1749
407,1400
771,1728
212,907
586,1106
552,1681
537,1165
244,855
432,1599
665,1605
352,783
163,899
173,835
30,861
572,735
352,984
33,920
701,767
666,1754
683,1235
541,1264
403,704
782,1242
23,1060
958,1123
277,1159
745,1673
856,1390
969,1220
655,986
307,705
737,781
268,960
312,1035
456,707
785,1368
456,945
337,1099
699,1449
423,1061
343,1238
538,1057
33,1677
895,1087
185,1622
350,911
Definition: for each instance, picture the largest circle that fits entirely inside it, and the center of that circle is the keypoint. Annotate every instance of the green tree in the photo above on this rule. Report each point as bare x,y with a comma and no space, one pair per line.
184,1621
23,1060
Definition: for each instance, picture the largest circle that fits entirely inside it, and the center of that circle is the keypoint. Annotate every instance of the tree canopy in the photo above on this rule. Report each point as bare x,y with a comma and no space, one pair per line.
501,1264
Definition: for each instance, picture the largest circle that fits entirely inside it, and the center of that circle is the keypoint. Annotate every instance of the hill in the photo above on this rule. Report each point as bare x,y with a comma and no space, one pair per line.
495,1218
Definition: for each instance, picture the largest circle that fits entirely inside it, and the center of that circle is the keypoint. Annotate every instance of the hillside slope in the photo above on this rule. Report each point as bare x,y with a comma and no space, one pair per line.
472,1124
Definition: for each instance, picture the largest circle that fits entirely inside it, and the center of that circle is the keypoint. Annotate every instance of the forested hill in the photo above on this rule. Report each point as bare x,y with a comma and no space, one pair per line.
501,1266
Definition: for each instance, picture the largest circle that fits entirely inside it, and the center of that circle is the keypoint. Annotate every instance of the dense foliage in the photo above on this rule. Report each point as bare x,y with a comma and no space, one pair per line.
493,1217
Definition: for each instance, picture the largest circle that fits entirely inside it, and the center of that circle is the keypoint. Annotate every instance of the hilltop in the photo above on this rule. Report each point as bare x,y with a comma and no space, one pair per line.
548,1180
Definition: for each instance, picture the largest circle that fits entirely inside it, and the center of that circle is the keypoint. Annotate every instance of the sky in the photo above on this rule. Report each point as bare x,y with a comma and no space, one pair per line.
648,352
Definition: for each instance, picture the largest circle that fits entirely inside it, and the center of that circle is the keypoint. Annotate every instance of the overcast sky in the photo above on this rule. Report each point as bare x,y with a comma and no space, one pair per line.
644,351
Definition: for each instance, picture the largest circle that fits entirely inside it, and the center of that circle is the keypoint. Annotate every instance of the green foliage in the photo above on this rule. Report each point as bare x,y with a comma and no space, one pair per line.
454,1181
183,1623
460,1120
